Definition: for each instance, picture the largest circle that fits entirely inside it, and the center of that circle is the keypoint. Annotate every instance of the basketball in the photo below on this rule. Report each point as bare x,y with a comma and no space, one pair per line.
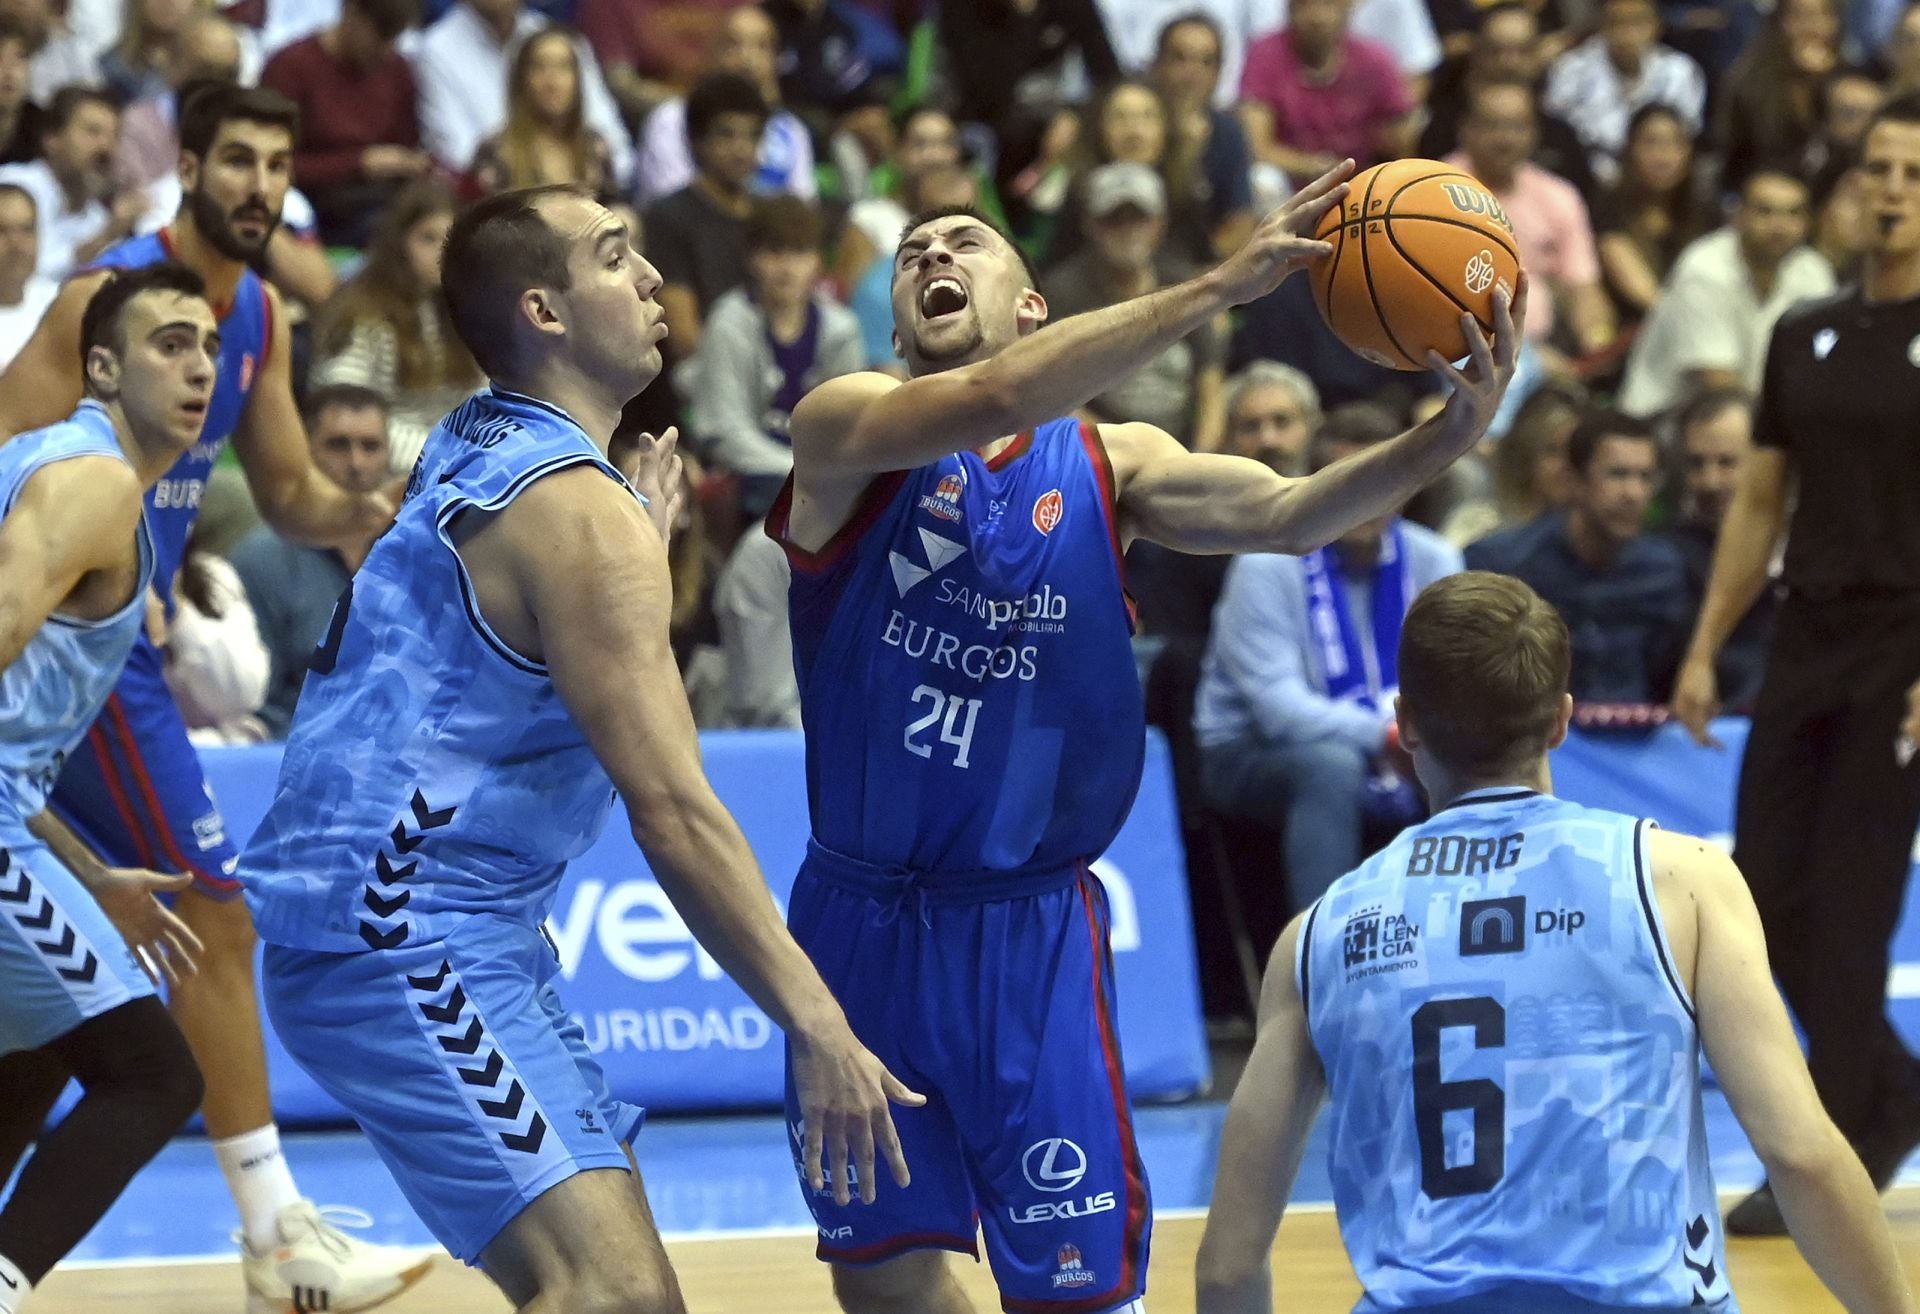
1416,243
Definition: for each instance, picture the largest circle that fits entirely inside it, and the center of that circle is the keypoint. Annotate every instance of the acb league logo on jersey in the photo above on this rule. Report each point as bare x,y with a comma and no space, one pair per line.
944,501
1047,511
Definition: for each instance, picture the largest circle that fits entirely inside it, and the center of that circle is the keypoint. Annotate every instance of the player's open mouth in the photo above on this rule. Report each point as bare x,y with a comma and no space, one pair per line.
197,409
942,297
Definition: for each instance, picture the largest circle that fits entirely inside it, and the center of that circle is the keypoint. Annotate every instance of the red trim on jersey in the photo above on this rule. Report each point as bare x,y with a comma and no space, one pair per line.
1109,507
266,324
1127,1286
874,500
161,829
110,773
894,1247
166,244
1012,452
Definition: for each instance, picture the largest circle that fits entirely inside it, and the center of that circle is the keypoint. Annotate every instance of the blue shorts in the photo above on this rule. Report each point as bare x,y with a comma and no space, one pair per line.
1002,1014
61,961
133,789
460,1063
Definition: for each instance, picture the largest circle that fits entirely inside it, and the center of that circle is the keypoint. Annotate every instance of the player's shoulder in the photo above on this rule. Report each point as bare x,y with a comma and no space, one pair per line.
1688,863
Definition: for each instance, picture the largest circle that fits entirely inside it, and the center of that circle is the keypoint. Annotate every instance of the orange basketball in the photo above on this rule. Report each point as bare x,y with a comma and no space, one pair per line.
1416,244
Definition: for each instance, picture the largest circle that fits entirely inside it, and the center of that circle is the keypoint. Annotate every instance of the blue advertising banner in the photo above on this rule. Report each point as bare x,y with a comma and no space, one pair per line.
675,1035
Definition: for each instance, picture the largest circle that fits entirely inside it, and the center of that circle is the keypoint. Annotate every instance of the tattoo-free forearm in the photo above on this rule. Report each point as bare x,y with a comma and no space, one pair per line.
68,847
1310,513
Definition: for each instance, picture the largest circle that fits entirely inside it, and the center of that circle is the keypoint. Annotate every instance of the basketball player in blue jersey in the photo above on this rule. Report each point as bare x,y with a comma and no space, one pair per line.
498,672
134,791
975,732
1507,1008
78,940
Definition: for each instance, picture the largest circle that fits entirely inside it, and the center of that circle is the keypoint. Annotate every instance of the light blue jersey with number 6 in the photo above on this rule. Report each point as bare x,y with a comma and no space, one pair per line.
1513,1069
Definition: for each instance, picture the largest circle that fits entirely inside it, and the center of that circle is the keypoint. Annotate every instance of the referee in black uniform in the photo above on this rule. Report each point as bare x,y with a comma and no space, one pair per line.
1828,804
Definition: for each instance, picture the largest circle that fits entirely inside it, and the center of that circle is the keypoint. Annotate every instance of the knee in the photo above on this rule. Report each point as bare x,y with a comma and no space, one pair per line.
637,1293
1329,770
225,929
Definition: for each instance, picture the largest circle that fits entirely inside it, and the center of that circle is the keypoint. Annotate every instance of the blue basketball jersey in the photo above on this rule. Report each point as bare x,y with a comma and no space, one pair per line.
50,695
1513,1068
431,771
246,331
963,648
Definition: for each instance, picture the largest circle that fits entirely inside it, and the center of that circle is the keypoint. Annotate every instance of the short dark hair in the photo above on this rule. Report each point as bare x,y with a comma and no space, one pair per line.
1600,424
926,217
718,94
1191,18
1484,662
208,104
345,396
69,101
1354,424
1904,108
1779,171
496,249
101,323
783,223
389,17
1707,404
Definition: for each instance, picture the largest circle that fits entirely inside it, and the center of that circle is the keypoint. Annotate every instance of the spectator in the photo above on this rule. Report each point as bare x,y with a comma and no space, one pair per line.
696,237
359,115
24,294
1010,62
72,180
388,332
1600,83
293,587
748,48
1272,411
1507,47
1840,219
1716,438
142,62
1711,324
216,665
1849,98
1296,692
1649,215
21,121
927,141
59,57
1312,94
651,49
834,55
461,65
1455,20
1621,590
1769,106
1531,476
546,139
750,606
1211,142
1404,27
149,144
1550,224
767,345
1179,391
1902,55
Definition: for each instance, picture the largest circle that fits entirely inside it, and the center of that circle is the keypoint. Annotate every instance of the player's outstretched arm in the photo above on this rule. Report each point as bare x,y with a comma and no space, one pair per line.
72,517
45,382
1830,1205
271,442
1260,1148
591,570
864,424
1205,502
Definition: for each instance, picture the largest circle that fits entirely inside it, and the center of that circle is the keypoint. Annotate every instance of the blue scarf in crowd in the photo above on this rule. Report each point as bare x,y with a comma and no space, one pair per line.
1330,618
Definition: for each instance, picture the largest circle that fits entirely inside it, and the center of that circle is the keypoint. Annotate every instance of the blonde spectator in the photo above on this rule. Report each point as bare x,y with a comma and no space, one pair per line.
388,331
546,139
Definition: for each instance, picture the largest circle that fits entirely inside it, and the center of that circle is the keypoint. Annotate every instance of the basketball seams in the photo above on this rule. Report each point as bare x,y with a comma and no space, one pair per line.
1427,274
1487,233
1366,268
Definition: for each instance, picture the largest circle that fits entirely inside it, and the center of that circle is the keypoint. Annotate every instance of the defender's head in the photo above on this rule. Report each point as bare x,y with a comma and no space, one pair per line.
1484,667
149,343
962,291
548,275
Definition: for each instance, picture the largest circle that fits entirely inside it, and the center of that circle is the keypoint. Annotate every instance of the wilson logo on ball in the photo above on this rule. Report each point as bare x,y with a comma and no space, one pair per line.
1046,511
1480,273
1471,200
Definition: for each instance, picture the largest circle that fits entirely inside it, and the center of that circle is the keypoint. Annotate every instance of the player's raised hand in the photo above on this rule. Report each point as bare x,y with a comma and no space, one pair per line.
1476,391
1282,241
845,1095
656,471
164,946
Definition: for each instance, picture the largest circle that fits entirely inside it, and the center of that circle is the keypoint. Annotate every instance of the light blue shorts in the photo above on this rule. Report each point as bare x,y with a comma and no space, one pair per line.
460,1063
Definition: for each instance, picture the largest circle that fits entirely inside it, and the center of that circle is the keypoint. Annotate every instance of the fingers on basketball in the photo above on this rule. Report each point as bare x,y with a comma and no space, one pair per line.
1417,245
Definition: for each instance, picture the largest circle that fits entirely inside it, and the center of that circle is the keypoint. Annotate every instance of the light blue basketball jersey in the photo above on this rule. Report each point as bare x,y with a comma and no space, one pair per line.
51,694
1513,1068
431,771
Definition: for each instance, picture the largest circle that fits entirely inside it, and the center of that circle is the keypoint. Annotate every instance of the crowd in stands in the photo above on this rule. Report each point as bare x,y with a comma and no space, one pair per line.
1678,174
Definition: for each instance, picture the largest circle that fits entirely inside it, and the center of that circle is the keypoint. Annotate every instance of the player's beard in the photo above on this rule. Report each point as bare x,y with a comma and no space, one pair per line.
216,225
957,350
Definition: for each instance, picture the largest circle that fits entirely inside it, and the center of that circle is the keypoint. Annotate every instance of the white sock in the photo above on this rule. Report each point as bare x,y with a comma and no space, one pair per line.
13,1287
261,1183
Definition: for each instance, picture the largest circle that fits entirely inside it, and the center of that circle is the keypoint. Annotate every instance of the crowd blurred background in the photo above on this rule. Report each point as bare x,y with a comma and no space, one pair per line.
1678,174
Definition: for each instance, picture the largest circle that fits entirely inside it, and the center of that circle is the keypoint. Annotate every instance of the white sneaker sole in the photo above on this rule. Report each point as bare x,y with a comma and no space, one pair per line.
311,1298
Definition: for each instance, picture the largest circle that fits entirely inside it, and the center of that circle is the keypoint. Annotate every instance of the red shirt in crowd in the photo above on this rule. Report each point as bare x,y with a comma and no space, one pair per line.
1342,115
342,110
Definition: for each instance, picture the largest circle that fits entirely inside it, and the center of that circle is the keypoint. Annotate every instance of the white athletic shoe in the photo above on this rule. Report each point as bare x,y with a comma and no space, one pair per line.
316,1266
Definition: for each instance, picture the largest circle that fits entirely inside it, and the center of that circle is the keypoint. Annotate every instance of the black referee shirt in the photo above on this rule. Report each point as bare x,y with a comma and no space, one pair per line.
1841,395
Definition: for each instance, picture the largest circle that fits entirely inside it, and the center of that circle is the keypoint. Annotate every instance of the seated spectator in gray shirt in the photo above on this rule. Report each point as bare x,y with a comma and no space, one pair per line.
1622,591
766,346
292,587
1296,692
1125,219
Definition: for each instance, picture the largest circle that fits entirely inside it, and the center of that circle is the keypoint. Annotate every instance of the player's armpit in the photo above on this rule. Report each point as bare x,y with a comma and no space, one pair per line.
1261,1145
71,517
43,384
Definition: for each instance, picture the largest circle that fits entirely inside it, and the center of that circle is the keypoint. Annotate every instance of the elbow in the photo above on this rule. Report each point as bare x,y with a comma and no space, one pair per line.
1803,1154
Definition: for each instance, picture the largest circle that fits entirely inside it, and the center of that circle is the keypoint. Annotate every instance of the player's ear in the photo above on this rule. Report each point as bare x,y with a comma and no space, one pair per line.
538,308
1562,718
103,372
189,171
1409,737
899,348
1031,309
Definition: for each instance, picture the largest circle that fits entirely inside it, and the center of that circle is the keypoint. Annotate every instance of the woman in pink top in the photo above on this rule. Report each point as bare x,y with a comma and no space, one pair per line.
1312,94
